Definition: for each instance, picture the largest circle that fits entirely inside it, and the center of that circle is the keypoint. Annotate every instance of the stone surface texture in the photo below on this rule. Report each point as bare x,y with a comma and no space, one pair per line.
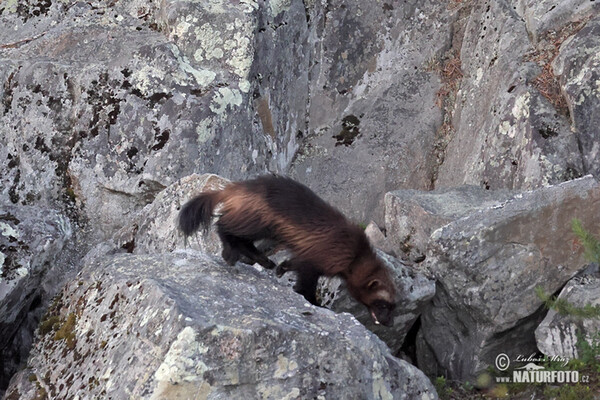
184,325
488,264
371,70
463,128
559,335
33,245
507,134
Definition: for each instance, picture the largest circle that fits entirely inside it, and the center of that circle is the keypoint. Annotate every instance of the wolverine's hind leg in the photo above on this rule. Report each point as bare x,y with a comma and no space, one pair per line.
234,247
248,249
284,267
230,252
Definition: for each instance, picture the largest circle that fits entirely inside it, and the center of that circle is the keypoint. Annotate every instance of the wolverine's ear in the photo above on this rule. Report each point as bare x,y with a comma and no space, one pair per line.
373,284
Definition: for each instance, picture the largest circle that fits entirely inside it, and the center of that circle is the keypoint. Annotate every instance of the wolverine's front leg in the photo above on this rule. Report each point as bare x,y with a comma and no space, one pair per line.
308,277
234,247
284,267
248,249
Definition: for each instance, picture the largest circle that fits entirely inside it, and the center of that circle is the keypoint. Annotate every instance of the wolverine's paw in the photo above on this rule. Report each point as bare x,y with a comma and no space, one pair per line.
230,256
282,268
279,271
268,264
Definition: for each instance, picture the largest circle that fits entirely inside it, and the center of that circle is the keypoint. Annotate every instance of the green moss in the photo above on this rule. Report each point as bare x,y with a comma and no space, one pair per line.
442,388
570,392
41,394
49,324
13,395
71,194
67,331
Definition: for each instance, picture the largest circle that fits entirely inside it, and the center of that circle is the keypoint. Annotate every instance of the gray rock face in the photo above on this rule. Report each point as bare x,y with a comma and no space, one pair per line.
487,265
542,16
104,105
558,335
378,239
32,249
371,72
183,325
155,229
507,135
579,70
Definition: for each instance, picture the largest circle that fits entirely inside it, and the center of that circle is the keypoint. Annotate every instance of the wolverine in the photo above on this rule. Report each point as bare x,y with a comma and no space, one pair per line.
322,241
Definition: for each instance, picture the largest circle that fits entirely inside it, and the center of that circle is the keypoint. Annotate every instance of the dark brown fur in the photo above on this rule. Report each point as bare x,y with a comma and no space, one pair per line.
321,239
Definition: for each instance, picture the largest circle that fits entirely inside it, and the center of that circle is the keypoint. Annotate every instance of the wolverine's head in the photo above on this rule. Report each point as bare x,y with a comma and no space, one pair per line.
380,301
375,289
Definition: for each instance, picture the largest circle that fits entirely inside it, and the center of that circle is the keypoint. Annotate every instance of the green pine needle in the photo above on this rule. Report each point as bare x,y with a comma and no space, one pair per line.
563,307
590,243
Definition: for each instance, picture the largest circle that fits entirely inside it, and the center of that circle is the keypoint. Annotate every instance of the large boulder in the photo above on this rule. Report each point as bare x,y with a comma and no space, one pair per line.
33,262
182,325
559,335
488,264
411,216
103,105
154,229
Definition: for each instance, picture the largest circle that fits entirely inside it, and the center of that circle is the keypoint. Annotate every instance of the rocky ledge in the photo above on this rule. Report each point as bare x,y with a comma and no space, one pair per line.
184,325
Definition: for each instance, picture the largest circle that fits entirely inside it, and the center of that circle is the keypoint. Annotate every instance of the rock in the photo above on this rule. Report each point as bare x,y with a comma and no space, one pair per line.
372,114
33,248
411,216
378,239
542,16
506,134
131,96
559,335
181,324
155,229
487,265
578,68
415,288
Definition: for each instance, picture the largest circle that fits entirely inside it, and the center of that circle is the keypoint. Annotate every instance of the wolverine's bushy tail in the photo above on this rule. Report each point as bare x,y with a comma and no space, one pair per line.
198,211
